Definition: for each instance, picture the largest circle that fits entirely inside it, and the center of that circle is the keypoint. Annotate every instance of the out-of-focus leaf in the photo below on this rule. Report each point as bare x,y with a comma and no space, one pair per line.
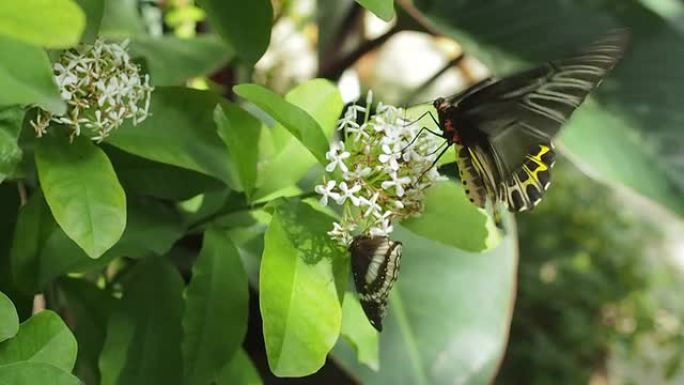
244,25
181,132
83,192
31,373
359,333
10,152
121,19
42,338
172,60
215,315
50,24
322,101
93,10
300,124
240,131
9,320
447,209
144,333
26,70
240,370
632,136
89,309
300,303
448,318
383,9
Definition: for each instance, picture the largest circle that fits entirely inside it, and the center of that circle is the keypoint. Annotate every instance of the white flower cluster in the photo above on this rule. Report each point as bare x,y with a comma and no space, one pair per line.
378,173
102,87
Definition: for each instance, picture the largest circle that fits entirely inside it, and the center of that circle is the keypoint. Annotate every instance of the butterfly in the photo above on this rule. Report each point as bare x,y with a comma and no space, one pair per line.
502,129
375,267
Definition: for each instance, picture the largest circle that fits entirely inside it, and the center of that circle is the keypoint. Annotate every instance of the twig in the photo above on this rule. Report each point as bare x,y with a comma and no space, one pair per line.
420,89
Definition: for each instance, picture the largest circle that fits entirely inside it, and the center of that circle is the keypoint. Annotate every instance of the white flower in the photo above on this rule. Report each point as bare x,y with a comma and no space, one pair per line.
341,233
372,205
327,192
336,156
390,157
359,172
397,182
348,193
383,229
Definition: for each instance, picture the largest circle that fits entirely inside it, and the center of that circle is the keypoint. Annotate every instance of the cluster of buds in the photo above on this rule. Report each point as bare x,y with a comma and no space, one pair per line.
378,173
101,86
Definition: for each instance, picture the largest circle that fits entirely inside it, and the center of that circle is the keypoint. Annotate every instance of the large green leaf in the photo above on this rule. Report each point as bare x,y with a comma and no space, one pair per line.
244,25
448,318
359,333
26,70
447,210
181,132
9,320
632,136
32,373
300,303
89,309
215,315
383,9
83,192
291,161
93,10
42,338
297,121
122,19
240,370
143,344
172,60
47,23
10,152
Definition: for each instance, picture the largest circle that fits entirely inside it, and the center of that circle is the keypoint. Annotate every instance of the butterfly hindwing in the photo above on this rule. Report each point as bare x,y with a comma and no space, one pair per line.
375,267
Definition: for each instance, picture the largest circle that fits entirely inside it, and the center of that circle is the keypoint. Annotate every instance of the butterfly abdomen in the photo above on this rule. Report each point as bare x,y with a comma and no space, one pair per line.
529,183
471,179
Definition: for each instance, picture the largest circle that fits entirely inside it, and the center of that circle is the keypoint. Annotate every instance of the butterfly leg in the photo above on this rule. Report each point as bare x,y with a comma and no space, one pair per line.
434,162
432,116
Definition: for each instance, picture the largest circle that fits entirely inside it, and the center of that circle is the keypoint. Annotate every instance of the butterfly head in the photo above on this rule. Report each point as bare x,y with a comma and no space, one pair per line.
441,105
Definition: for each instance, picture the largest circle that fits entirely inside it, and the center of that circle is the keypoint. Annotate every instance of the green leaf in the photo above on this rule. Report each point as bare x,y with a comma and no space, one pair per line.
300,303
320,99
445,205
632,135
42,338
448,317
142,346
26,71
240,370
93,12
83,192
9,320
10,152
215,316
32,373
89,309
180,132
51,24
172,60
359,333
121,19
240,131
244,25
295,119
383,9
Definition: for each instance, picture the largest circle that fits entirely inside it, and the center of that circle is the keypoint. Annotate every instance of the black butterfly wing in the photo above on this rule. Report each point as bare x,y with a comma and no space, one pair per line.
519,115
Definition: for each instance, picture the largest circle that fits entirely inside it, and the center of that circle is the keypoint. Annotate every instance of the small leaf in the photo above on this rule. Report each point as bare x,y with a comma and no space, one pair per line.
383,9
240,370
93,10
122,19
215,315
240,131
300,303
32,373
26,71
42,338
359,333
51,24
181,132
244,25
10,127
191,57
143,343
83,192
9,320
296,120
447,209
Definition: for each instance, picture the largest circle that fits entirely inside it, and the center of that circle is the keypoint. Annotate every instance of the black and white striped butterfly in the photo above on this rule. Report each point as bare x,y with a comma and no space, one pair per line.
375,267
502,129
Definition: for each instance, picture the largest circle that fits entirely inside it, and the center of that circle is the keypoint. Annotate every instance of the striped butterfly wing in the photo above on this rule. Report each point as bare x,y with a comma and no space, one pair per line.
375,267
519,115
